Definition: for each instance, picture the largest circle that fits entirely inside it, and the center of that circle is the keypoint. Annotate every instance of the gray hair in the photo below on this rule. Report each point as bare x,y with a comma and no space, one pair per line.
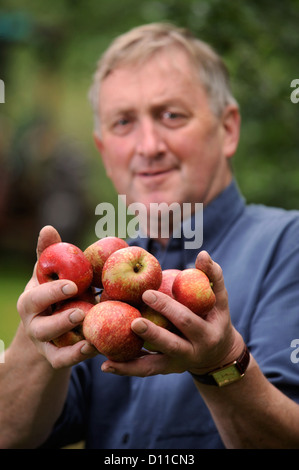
140,43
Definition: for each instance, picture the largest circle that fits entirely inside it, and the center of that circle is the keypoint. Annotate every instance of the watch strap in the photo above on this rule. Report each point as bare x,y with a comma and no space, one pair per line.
228,373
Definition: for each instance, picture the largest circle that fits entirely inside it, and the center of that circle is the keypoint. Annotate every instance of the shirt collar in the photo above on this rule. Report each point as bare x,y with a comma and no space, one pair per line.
220,213
218,216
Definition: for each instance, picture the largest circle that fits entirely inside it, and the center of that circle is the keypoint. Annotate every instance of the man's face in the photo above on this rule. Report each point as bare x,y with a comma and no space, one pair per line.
160,141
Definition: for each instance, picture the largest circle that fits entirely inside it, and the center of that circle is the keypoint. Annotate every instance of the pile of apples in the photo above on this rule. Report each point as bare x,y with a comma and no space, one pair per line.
121,274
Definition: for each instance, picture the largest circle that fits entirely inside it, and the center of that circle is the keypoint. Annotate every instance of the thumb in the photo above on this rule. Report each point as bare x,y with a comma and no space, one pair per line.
47,236
214,272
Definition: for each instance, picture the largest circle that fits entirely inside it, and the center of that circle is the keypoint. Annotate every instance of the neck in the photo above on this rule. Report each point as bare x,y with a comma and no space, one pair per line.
187,225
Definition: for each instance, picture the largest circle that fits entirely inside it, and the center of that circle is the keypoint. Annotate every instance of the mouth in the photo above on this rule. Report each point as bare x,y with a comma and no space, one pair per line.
154,174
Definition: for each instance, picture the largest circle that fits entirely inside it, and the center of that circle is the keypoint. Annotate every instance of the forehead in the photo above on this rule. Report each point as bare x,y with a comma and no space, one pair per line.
164,75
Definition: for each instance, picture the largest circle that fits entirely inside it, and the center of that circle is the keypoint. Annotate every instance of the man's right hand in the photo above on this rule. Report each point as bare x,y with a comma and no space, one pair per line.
34,307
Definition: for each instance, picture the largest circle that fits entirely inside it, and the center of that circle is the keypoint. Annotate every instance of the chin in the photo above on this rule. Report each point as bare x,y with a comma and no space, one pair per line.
161,197
160,213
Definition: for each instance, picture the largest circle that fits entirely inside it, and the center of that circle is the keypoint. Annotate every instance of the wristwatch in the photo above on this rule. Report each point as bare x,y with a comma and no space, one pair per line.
228,373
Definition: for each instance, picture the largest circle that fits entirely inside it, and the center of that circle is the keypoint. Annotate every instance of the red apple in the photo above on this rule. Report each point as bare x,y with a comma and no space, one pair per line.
104,296
107,326
192,288
90,295
76,334
156,317
98,252
168,276
129,272
64,261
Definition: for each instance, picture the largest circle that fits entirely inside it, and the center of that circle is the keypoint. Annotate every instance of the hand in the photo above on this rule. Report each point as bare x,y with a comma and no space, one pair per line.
34,306
204,344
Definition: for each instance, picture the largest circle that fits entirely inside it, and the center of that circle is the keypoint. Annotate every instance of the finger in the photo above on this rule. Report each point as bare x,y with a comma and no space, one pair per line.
39,298
187,322
47,328
161,340
68,355
47,236
145,366
33,281
214,272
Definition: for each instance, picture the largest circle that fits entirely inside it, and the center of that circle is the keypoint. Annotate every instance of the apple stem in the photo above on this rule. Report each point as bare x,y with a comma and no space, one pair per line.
137,267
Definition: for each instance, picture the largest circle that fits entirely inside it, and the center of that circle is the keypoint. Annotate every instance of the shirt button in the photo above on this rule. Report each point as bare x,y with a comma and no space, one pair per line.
125,438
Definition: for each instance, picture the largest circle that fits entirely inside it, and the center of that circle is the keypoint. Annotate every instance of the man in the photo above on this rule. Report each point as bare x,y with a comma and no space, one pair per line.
166,127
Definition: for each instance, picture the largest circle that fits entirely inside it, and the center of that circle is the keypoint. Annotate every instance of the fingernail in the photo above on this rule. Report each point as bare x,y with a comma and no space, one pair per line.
139,326
149,297
76,316
69,289
86,349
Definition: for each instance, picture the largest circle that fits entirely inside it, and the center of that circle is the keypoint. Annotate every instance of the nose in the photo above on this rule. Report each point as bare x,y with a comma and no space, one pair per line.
150,142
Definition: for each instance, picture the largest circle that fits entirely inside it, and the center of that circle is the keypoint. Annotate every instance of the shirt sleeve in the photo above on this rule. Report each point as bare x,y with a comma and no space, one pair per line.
275,321
70,426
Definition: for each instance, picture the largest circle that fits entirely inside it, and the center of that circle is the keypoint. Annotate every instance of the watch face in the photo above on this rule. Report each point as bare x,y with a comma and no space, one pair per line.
228,375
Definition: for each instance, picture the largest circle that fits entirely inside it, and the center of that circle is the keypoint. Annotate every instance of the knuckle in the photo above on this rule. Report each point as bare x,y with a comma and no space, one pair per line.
56,363
61,358
218,269
37,332
149,372
53,356
59,362
173,348
20,303
185,319
41,297
149,368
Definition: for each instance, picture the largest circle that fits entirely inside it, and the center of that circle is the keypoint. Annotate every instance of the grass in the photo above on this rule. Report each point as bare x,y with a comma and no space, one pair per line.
13,278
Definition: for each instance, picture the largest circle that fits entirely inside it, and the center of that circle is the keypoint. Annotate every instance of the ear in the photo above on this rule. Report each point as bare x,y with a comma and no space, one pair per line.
101,148
231,121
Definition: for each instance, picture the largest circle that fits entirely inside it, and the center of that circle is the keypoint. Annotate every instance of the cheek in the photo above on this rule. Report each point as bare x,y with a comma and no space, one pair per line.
117,166
181,145
198,149
117,158
187,150
199,162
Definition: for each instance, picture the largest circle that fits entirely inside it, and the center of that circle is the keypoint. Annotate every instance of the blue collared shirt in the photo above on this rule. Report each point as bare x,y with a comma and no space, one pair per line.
258,250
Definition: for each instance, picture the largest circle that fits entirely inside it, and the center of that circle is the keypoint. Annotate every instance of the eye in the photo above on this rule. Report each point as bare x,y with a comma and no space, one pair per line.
122,125
173,118
122,122
171,115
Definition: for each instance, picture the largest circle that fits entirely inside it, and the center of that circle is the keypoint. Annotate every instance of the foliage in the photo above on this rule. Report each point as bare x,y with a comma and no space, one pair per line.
49,51
12,284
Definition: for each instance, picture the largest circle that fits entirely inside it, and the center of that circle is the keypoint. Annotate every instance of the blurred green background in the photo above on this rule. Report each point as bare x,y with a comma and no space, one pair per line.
50,171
